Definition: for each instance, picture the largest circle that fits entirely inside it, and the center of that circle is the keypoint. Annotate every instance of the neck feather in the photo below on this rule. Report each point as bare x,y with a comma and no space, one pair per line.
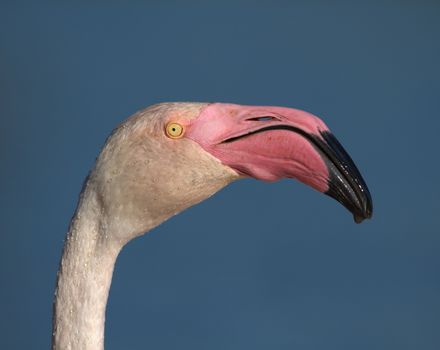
84,279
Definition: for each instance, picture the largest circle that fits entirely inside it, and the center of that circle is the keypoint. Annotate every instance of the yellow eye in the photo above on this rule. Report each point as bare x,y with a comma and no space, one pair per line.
174,130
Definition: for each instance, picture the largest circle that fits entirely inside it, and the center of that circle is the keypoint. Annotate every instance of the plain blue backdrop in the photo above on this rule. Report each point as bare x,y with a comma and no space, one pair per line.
258,266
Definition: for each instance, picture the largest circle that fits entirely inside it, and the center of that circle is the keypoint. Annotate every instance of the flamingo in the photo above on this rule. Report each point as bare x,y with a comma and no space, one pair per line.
167,158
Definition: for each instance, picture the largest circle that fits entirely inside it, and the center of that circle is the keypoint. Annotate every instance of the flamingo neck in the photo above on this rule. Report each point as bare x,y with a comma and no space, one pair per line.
84,279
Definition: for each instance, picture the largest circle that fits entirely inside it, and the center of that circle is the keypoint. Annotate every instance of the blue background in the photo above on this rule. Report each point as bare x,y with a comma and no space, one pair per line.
258,266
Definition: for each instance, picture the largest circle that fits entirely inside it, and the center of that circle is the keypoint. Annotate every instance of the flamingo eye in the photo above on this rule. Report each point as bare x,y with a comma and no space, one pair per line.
174,130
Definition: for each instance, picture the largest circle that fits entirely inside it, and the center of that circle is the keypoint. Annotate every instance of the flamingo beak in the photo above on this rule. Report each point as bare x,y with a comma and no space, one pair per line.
271,143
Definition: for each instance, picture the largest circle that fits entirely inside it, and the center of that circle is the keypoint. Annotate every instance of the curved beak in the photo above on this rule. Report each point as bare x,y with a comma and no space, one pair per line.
271,143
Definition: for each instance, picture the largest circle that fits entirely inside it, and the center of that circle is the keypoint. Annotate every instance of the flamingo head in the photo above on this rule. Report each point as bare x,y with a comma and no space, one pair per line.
171,156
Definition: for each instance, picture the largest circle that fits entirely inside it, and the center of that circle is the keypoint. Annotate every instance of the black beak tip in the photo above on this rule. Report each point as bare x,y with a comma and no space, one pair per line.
367,205
358,218
360,213
345,182
366,210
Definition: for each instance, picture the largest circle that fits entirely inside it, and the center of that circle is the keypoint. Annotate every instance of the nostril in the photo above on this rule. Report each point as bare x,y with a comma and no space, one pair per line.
262,118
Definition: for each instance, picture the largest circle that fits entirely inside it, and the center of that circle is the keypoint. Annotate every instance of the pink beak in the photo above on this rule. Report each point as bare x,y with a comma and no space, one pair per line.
271,143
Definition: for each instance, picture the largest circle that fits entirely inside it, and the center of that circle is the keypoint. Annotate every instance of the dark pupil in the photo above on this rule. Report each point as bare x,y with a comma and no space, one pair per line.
174,129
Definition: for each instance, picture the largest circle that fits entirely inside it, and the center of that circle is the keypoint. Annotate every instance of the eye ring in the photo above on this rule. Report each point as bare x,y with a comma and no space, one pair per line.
174,130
